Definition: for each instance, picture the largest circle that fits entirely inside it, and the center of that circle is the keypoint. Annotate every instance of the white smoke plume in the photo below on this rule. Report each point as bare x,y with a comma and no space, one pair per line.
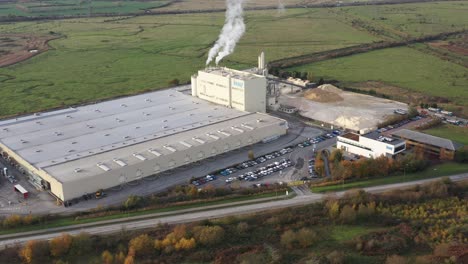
231,33
280,8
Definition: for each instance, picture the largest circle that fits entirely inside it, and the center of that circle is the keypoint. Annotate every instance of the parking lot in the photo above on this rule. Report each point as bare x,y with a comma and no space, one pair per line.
292,163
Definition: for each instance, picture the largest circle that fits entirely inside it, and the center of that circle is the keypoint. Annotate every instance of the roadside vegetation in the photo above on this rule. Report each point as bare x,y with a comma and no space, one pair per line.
177,198
423,224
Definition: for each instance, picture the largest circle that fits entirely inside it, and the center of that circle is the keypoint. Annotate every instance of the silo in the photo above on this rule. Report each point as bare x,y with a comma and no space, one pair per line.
194,85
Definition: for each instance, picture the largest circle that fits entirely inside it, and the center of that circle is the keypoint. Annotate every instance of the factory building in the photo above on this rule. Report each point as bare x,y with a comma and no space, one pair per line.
70,152
371,145
235,89
434,147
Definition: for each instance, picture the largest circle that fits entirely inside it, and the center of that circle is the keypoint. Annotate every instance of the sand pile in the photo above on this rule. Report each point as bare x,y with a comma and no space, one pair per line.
326,93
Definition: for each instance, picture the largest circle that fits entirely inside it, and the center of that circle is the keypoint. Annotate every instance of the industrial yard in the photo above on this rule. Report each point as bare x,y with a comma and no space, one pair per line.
331,105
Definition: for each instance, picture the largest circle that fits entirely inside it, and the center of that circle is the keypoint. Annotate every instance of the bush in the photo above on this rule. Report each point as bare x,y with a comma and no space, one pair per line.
208,235
288,239
133,202
34,251
306,237
142,245
336,257
347,215
59,246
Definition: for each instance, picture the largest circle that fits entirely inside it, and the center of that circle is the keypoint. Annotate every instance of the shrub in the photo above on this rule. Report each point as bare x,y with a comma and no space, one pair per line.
34,251
59,246
107,257
347,215
288,239
336,257
208,235
306,237
142,245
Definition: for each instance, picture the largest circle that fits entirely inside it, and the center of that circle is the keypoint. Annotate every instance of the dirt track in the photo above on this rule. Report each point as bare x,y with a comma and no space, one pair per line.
20,47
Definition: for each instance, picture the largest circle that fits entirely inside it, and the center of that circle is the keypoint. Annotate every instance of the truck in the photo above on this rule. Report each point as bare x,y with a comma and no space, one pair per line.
446,113
433,109
454,122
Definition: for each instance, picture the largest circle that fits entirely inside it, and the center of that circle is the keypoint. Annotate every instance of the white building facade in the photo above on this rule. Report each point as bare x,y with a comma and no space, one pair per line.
371,145
235,89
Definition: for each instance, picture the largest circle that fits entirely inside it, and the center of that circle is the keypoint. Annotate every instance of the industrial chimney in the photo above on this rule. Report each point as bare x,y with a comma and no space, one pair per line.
261,61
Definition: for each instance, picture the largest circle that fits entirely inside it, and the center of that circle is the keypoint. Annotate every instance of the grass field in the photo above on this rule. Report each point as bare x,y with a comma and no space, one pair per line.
73,8
455,133
103,57
431,172
402,67
415,19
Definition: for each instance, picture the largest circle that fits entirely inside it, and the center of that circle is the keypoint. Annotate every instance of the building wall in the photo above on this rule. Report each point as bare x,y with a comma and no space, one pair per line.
56,187
243,94
367,147
81,185
440,153
354,149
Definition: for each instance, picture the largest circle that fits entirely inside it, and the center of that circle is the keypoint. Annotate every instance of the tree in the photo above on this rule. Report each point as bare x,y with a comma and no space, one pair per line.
129,260
336,156
81,244
34,251
142,245
251,155
306,237
59,246
347,215
119,257
185,244
107,257
133,201
336,257
395,259
288,239
320,82
333,209
242,227
208,235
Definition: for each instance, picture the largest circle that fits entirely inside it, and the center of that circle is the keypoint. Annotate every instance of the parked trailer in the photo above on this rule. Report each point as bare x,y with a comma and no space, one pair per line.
446,113
22,190
433,109
454,122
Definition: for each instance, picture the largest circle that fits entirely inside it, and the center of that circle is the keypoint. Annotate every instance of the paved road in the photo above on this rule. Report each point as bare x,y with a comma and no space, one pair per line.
299,200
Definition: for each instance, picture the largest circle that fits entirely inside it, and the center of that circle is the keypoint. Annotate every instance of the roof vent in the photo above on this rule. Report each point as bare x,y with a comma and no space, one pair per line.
74,142
23,141
154,152
38,150
103,167
77,170
90,126
120,162
106,135
69,116
6,129
139,156
97,110
123,105
148,100
259,120
58,133
165,126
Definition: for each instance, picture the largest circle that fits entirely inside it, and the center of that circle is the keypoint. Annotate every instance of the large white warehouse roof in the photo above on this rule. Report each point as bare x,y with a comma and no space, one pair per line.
85,141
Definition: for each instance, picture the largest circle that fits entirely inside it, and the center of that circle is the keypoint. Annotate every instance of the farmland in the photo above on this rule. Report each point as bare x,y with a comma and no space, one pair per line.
62,8
402,67
100,58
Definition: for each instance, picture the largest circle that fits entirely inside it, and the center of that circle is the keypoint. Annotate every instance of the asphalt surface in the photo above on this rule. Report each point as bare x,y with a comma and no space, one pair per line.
302,199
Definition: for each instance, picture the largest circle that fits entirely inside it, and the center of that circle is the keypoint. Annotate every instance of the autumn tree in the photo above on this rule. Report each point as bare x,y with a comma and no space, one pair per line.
395,259
347,215
208,235
306,237
107,257
129,260
81,244
333,209
59,246
34,251
142,245
185,244
288,239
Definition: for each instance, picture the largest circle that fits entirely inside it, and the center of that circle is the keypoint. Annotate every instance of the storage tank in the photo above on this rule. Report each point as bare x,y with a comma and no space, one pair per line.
194,85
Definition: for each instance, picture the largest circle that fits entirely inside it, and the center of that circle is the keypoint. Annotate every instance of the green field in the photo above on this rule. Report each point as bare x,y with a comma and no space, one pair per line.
403,67
455,133
103,57
74,8
415,19
444,169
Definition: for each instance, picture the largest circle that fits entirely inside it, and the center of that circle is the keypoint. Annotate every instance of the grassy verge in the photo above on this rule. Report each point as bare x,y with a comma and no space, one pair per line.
454,133
69,221
342,233
431,172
